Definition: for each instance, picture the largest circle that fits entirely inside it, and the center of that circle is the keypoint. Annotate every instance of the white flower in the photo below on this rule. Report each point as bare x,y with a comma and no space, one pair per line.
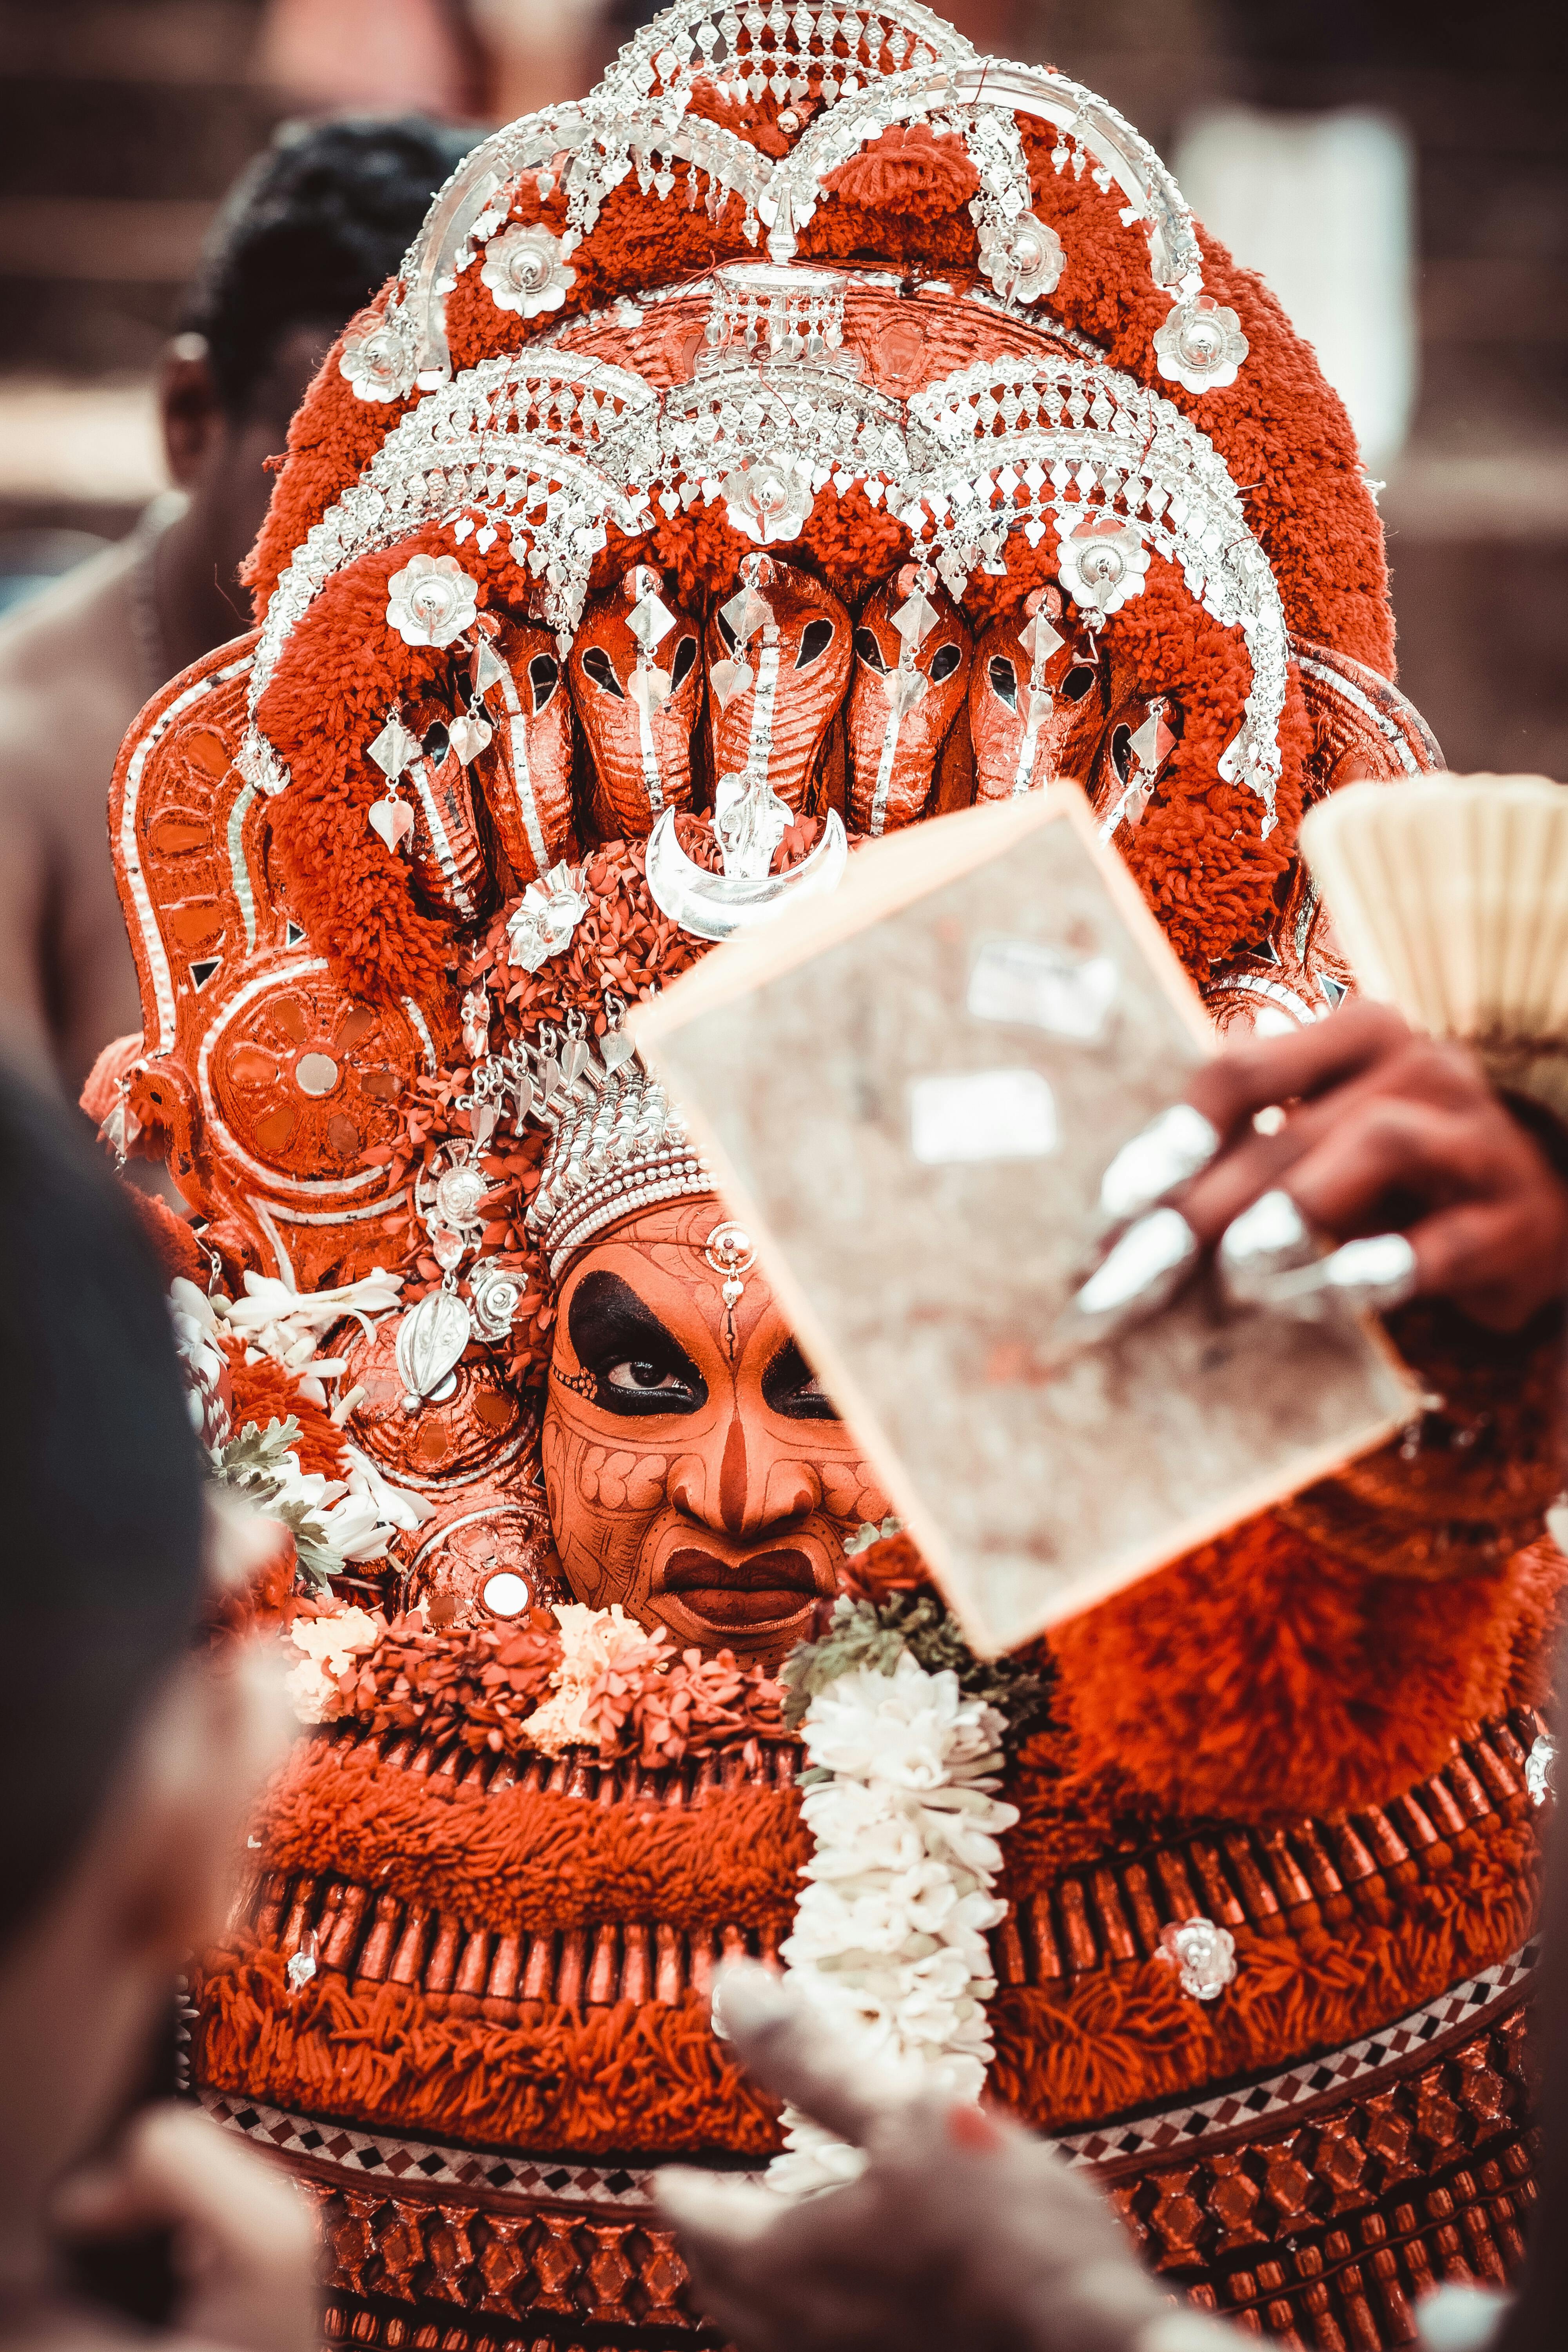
769,497
1101,563
524,271
312,1693
1201,345
548,914
378,360
203,1361
593,1642
334,1640
1025,261
431,601
890,1937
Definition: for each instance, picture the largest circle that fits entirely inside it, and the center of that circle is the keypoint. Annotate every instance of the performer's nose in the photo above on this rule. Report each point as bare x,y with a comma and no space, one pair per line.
742,1489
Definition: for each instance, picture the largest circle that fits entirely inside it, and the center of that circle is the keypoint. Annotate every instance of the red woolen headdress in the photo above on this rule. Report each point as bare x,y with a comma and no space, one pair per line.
818,427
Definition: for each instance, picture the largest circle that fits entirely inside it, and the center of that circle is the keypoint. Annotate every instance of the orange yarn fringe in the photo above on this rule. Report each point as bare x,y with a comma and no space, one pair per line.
1117,2038
528,1861
621,2079
652,2076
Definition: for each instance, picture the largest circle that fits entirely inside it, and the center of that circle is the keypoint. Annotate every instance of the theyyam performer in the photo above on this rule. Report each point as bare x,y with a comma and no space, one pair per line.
819,429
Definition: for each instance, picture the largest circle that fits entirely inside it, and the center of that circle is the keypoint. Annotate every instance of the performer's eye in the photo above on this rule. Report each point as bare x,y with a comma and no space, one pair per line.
1004,680
1078,681
436,743
815,640
790,1387
637,1365
685,656
545,677
641,1376
597,664
947,660
870,652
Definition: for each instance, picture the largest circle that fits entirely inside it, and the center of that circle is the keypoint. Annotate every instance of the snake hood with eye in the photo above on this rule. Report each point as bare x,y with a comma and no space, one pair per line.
637,689
778,660
1037,701
912,658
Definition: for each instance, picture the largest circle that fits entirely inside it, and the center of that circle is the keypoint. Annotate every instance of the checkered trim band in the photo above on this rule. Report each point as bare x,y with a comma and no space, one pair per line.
1154,2135
528,2181
378,2156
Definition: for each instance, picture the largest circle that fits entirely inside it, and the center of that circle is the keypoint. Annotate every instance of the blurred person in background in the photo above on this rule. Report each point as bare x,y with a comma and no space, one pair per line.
132,1753
309,233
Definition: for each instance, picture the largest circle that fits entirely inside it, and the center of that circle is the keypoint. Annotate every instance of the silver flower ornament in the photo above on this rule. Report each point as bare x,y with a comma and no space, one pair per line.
1025,263
495,1294
1101,563
524,271
1204,1953
431,601
377,360
769,497
1201,345
550,912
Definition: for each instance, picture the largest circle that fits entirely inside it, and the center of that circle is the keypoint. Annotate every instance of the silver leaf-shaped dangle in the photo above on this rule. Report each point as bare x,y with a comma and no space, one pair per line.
430,1339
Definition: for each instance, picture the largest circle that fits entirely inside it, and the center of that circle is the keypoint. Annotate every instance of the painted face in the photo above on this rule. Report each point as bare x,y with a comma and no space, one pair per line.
525,769
778,660
636,687
912,670
695,1471
1035,703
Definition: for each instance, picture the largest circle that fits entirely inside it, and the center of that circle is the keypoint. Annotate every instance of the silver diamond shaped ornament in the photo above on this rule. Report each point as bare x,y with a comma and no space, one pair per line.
430,1339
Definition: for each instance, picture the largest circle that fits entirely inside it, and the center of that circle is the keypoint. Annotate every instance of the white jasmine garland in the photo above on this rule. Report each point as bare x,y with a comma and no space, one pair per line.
890,1936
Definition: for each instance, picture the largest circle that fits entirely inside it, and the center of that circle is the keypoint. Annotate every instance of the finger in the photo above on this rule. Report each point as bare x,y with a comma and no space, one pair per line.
787,2045
712,2211
1248,1077
1501,1261
1388,1147
175,2168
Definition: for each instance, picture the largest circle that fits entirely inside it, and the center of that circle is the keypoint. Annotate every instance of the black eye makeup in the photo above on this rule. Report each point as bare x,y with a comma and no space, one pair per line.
790,1387
637,1368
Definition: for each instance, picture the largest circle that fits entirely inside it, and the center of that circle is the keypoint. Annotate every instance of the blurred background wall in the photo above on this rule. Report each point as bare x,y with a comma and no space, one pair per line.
1398,168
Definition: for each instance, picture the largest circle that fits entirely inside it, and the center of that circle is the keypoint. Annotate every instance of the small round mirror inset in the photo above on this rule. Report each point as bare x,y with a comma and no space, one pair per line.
505,1595
316,1074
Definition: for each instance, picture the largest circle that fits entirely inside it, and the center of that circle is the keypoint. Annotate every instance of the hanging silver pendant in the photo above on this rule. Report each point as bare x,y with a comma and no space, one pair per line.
430,1339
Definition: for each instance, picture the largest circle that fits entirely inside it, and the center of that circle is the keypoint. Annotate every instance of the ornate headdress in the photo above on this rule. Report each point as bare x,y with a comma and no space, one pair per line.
817,427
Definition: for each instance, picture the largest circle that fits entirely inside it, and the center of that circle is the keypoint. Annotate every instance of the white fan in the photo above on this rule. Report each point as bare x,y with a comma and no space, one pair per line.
1449,897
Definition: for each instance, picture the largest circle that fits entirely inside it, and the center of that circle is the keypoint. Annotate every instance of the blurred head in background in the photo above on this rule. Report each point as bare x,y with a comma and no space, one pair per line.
304,238
310,230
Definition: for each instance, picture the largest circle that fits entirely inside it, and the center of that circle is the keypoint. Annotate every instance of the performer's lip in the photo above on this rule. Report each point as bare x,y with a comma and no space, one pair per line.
768,1589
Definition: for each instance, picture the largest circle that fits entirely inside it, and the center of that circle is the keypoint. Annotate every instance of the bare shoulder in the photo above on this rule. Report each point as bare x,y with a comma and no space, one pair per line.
69,686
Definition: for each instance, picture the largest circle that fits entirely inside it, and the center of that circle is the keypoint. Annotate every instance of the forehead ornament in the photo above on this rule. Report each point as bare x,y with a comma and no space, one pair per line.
729,1250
